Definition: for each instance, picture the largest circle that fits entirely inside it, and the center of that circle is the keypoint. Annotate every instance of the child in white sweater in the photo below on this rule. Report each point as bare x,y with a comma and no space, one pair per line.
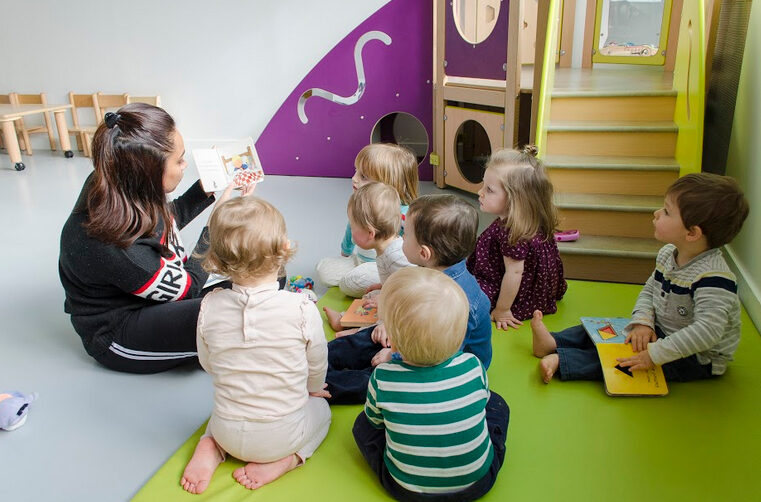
265,350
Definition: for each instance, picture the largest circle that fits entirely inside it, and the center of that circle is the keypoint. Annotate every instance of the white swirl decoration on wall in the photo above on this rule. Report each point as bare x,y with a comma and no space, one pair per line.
361,83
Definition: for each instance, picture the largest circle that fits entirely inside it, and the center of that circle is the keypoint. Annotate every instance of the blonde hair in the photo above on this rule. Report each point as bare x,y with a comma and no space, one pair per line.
530,208
425,313
391,164
247,239
375,206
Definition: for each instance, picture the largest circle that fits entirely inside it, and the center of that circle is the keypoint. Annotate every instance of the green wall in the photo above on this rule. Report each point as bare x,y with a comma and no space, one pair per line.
744,164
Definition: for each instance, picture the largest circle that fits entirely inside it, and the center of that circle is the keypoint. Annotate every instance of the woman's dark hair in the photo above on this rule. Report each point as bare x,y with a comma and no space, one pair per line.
126,199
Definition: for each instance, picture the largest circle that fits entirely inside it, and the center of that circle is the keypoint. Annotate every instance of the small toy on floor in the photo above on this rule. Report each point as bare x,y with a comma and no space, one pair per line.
299,284
14,406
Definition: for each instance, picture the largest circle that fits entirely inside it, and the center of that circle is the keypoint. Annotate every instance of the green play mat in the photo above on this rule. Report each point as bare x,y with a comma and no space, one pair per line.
566,440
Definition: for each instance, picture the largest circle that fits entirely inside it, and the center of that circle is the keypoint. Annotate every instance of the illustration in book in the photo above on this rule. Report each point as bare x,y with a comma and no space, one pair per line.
235,162
606,329
358,316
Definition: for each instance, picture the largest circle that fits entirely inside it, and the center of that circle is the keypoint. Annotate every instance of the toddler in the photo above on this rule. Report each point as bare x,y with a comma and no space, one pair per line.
431,429
440,233
516,261
393,165
265,350
687,316
374,220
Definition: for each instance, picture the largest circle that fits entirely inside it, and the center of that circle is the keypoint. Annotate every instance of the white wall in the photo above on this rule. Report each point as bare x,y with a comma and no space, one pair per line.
222,68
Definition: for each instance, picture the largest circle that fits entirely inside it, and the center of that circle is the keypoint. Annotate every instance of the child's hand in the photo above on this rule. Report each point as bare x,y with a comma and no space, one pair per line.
379,335
373,287
322,393
383,356
640,336
370,303
247,190
505,319
639,361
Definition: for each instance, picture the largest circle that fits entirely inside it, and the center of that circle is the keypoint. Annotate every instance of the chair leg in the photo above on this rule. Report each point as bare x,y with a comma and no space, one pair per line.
27,142
88,144
50,132
78,138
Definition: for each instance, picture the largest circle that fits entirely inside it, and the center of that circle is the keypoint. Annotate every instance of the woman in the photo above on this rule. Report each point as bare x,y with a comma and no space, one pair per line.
132,289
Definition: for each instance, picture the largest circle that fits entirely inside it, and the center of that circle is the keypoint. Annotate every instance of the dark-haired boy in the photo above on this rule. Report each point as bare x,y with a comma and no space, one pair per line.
687,316
440,233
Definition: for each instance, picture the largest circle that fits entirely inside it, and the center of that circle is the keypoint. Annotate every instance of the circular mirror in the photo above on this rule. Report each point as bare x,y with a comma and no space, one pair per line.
402,129
475,19
472,150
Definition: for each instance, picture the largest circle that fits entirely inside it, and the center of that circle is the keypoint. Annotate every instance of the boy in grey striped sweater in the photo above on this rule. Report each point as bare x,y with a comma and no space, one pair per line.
687,317
431,429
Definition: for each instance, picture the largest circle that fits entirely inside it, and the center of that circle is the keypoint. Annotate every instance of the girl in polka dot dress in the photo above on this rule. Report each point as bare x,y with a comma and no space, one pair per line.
516,261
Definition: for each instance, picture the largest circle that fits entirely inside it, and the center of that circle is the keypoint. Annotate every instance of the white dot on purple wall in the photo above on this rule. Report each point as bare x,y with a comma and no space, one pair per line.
297,157
328,138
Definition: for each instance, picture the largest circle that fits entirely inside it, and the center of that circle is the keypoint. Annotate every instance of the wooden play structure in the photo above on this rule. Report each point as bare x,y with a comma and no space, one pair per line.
613,133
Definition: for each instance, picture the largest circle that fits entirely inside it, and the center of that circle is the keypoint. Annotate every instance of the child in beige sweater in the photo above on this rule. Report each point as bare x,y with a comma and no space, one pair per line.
265,350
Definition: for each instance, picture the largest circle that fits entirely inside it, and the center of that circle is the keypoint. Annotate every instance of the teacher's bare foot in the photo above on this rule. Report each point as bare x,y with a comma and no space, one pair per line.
255,475
201,467
542,341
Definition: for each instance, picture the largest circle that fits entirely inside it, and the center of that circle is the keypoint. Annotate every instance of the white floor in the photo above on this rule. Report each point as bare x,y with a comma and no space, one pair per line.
95,434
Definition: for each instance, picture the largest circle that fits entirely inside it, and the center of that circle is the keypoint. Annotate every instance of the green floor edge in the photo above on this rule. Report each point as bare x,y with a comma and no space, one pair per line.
566,440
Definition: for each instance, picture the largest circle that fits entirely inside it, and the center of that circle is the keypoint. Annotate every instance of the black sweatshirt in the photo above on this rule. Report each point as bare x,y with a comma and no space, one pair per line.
104,282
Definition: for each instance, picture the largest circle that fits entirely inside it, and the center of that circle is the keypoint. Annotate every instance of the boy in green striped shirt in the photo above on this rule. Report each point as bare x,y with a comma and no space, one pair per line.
430,429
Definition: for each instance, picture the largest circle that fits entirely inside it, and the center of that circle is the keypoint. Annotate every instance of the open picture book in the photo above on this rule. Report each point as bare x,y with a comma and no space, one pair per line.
608,335
233,162
357,316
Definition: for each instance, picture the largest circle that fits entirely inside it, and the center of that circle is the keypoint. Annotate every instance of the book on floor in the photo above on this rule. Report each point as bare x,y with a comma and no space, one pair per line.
621,381
608,335
606,329
357,316
233,162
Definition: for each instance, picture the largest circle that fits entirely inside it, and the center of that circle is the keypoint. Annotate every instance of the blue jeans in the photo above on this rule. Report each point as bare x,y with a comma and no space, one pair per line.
350,367
372,443
579,359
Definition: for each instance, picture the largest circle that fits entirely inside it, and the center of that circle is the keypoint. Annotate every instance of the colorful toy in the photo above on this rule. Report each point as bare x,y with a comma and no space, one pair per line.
14,406
297,283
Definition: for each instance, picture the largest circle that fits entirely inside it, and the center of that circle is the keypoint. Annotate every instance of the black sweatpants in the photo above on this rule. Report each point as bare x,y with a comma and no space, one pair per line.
158,337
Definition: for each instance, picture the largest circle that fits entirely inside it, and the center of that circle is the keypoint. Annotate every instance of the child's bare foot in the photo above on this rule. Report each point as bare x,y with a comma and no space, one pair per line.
254,475
201,467
334,318
548,366
543,342
346,332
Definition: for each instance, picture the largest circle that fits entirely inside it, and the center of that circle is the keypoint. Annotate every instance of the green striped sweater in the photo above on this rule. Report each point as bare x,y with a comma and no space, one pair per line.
436,435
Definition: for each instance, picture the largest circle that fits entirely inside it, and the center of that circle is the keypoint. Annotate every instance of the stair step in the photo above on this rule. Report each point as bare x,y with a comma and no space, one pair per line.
590,108
613,259
611,163
603,245
610,126
610,93
609,202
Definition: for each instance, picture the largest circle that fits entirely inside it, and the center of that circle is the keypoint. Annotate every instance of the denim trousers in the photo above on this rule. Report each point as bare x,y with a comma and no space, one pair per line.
350,366
372,443
579,360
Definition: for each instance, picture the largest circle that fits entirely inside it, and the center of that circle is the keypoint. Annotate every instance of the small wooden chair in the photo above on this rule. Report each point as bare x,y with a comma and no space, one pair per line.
79,101
151,100
5,99
108,102
23,130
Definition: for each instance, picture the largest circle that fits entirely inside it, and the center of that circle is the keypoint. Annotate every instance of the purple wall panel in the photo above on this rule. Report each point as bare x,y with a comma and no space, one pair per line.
399,79
482,60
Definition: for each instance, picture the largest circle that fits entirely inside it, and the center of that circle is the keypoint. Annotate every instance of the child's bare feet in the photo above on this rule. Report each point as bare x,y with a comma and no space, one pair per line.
334,318
201,467
346,332
548,366
254,475
543,342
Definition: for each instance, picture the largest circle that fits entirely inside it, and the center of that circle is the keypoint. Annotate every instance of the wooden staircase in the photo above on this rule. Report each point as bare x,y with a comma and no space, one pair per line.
610,155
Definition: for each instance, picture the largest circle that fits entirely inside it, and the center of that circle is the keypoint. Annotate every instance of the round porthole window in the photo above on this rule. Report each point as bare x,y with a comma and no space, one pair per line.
475,19
402,129
472,150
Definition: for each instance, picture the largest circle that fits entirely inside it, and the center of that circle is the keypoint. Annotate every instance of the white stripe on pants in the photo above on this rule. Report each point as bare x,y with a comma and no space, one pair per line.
300,432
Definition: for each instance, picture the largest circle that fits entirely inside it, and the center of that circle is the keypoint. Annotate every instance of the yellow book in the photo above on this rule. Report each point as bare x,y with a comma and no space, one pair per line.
620,381
357,316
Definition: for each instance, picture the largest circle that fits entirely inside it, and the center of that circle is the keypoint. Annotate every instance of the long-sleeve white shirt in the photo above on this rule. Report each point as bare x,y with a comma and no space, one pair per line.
264,348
